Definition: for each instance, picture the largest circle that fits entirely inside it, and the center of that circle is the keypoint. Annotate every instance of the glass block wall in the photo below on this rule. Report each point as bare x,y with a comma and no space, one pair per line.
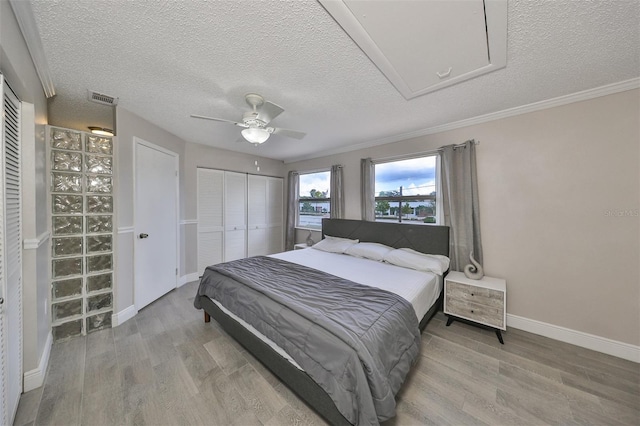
81,191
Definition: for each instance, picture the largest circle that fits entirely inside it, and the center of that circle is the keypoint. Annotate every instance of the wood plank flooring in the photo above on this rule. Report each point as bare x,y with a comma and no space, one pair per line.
167,367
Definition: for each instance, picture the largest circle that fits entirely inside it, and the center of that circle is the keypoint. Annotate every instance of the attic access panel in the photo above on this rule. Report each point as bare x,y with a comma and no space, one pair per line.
423,46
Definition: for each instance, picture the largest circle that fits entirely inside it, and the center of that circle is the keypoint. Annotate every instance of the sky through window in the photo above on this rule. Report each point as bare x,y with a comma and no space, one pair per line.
415,176
319,181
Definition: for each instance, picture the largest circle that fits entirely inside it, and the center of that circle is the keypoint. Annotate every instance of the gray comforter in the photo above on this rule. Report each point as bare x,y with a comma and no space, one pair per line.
357,342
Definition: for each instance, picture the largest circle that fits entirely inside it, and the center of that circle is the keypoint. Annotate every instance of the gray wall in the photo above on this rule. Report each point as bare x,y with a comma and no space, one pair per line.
129,125
18,69
552,184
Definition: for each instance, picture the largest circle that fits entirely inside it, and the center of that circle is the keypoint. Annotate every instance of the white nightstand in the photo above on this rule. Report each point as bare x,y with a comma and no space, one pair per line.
480,302
300,246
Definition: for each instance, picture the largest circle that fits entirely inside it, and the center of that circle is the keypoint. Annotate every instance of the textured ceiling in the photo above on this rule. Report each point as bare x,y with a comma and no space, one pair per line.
165,60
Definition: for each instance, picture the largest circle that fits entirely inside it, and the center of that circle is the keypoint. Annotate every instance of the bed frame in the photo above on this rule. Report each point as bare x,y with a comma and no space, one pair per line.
424,238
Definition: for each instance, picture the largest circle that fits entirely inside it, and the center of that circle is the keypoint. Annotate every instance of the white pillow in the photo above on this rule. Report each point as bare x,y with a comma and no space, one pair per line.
373,251
334,244
407,258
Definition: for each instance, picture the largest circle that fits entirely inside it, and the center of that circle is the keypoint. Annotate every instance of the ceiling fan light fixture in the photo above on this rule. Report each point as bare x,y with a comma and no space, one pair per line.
102,131
255,135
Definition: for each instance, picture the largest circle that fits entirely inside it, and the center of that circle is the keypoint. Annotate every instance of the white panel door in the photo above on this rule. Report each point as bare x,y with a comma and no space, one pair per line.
210,217
10,258
235,216
156,222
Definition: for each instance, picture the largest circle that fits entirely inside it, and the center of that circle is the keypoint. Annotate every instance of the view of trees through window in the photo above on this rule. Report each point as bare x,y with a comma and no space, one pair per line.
406,190
314,199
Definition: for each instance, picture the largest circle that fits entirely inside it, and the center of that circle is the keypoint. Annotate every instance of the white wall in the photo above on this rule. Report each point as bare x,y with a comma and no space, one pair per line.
18,69
552,184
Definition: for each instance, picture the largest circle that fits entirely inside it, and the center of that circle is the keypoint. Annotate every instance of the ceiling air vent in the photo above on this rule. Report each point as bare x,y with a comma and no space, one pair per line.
101,98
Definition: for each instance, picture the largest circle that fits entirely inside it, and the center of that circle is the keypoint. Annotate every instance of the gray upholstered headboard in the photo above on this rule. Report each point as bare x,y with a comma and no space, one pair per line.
431,239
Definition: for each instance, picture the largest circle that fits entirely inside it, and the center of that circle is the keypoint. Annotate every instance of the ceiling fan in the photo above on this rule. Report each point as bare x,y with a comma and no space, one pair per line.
255,121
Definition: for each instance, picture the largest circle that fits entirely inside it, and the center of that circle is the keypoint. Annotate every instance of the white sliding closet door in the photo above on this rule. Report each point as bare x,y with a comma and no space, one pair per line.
10,257
235,216
210,217
275,215
239,215
265,218
257,203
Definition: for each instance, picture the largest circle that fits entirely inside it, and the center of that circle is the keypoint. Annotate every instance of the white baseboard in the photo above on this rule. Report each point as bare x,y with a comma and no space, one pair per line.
123,316
33,379
188,278
578,338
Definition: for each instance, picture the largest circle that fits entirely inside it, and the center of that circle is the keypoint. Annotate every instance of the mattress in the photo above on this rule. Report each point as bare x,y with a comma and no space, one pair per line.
421,289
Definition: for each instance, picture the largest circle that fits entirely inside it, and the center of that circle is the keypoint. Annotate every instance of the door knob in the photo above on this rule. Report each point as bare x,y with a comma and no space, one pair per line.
143,235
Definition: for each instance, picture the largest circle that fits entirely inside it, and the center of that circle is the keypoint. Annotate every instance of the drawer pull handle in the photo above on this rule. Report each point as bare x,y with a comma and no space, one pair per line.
472,294
472,311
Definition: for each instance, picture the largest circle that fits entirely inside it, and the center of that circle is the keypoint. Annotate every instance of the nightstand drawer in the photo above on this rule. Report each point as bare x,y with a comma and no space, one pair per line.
482,302
488,315
483,296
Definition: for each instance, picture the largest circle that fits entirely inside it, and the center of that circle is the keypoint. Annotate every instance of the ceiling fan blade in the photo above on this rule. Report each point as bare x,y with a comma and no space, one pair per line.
218,119
289,133
268,111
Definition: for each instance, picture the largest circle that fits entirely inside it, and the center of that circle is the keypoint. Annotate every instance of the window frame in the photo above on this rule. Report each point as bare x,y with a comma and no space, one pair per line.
437,198
300,200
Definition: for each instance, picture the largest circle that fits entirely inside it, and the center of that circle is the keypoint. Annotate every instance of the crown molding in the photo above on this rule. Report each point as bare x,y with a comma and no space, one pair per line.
27,23
584,95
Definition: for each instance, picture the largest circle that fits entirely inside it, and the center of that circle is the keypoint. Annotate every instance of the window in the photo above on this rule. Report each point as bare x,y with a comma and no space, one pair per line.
406,190
313,199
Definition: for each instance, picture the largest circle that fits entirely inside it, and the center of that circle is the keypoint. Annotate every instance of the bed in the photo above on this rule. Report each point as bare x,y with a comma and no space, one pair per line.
242,296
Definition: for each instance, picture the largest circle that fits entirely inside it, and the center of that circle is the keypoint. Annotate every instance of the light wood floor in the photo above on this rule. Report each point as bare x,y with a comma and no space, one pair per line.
166,366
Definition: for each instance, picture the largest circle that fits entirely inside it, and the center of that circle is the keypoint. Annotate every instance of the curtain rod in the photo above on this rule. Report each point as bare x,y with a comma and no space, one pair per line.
419,154
460,145
323,169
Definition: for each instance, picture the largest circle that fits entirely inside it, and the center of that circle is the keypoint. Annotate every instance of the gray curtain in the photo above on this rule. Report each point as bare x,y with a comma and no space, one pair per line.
337,193
460,203
293,190
367,189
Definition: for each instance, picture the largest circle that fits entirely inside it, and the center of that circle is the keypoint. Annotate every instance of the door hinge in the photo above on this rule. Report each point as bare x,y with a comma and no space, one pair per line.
176,271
